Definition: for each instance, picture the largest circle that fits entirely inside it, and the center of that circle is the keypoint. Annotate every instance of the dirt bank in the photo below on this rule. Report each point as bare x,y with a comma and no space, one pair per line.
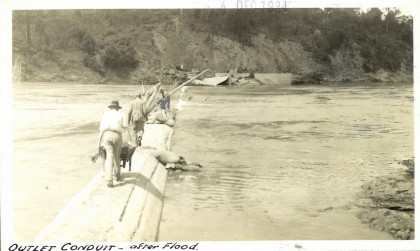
387,203
200,50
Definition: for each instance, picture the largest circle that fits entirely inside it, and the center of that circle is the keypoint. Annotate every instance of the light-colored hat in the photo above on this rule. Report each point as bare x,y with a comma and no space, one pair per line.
115,103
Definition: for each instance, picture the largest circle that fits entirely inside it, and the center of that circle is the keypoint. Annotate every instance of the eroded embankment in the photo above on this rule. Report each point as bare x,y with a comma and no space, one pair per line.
387,203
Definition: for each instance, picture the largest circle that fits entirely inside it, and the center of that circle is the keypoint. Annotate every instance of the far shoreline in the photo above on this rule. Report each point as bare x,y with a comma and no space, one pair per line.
324,83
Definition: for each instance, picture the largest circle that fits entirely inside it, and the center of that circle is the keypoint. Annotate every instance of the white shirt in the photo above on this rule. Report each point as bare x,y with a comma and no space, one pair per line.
112,120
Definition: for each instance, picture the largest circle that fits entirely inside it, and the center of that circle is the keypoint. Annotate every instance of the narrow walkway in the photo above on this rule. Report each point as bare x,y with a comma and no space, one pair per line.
130,211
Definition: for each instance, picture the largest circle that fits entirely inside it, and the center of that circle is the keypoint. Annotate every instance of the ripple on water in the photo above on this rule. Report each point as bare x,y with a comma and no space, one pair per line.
285,162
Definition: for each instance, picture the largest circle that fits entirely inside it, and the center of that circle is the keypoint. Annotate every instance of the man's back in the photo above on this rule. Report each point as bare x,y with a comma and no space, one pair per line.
112,120
137,110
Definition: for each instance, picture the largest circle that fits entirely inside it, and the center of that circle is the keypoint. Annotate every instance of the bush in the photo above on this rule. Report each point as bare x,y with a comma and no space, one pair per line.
88,44
84,40
94,64
389,53
120,54
335,39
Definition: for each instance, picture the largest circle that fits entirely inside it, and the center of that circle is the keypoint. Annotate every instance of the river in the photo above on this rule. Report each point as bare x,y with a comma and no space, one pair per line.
280,162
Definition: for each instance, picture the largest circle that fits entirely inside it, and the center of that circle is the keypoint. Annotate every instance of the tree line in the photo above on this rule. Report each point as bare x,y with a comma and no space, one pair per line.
382,37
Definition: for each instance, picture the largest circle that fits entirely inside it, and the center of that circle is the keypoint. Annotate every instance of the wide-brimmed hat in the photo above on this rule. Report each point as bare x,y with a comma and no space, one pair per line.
115,103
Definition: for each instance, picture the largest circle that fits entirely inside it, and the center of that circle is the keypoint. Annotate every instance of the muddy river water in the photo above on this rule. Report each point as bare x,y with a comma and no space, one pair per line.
280,162
284,163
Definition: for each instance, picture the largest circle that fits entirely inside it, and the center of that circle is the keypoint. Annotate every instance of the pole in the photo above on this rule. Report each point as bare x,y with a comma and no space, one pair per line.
180,86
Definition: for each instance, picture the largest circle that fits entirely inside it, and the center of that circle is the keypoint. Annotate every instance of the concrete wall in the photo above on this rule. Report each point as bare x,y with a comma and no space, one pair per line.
274,78
130,211
266,78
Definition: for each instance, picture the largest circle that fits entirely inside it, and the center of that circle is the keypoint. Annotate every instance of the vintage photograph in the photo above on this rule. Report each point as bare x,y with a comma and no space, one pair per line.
144,125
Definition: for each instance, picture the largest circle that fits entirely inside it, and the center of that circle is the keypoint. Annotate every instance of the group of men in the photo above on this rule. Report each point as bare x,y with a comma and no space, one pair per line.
113,124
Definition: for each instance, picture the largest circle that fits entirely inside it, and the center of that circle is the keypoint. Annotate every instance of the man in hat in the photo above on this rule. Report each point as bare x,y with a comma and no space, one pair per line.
110,137
139,111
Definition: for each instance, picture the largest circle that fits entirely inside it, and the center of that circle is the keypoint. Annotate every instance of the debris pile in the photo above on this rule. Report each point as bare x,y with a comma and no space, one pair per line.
175,75
164,75
248,80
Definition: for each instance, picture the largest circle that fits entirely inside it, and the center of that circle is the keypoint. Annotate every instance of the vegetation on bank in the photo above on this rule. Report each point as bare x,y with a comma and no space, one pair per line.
136,45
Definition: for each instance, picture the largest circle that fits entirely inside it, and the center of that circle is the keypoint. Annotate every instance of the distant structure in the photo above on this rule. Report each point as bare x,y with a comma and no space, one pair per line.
283,79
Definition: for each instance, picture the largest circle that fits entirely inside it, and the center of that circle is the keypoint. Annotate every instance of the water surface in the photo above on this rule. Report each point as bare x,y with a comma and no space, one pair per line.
55,130
280,162
284,163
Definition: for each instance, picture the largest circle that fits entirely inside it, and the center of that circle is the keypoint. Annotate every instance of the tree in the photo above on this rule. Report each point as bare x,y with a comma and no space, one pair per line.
88,44
391,19
43,38
28,27
83,40
120,54
372,20
108,16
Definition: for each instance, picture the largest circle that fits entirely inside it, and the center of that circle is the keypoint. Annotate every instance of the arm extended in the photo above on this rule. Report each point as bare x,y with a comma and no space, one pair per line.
151,100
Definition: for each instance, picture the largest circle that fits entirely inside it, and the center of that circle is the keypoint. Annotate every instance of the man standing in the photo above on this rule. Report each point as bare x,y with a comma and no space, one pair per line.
110,137
139,111
165,101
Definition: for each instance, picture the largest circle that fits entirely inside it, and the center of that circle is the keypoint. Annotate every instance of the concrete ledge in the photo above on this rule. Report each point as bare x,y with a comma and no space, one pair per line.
274,78
130,211
283,79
